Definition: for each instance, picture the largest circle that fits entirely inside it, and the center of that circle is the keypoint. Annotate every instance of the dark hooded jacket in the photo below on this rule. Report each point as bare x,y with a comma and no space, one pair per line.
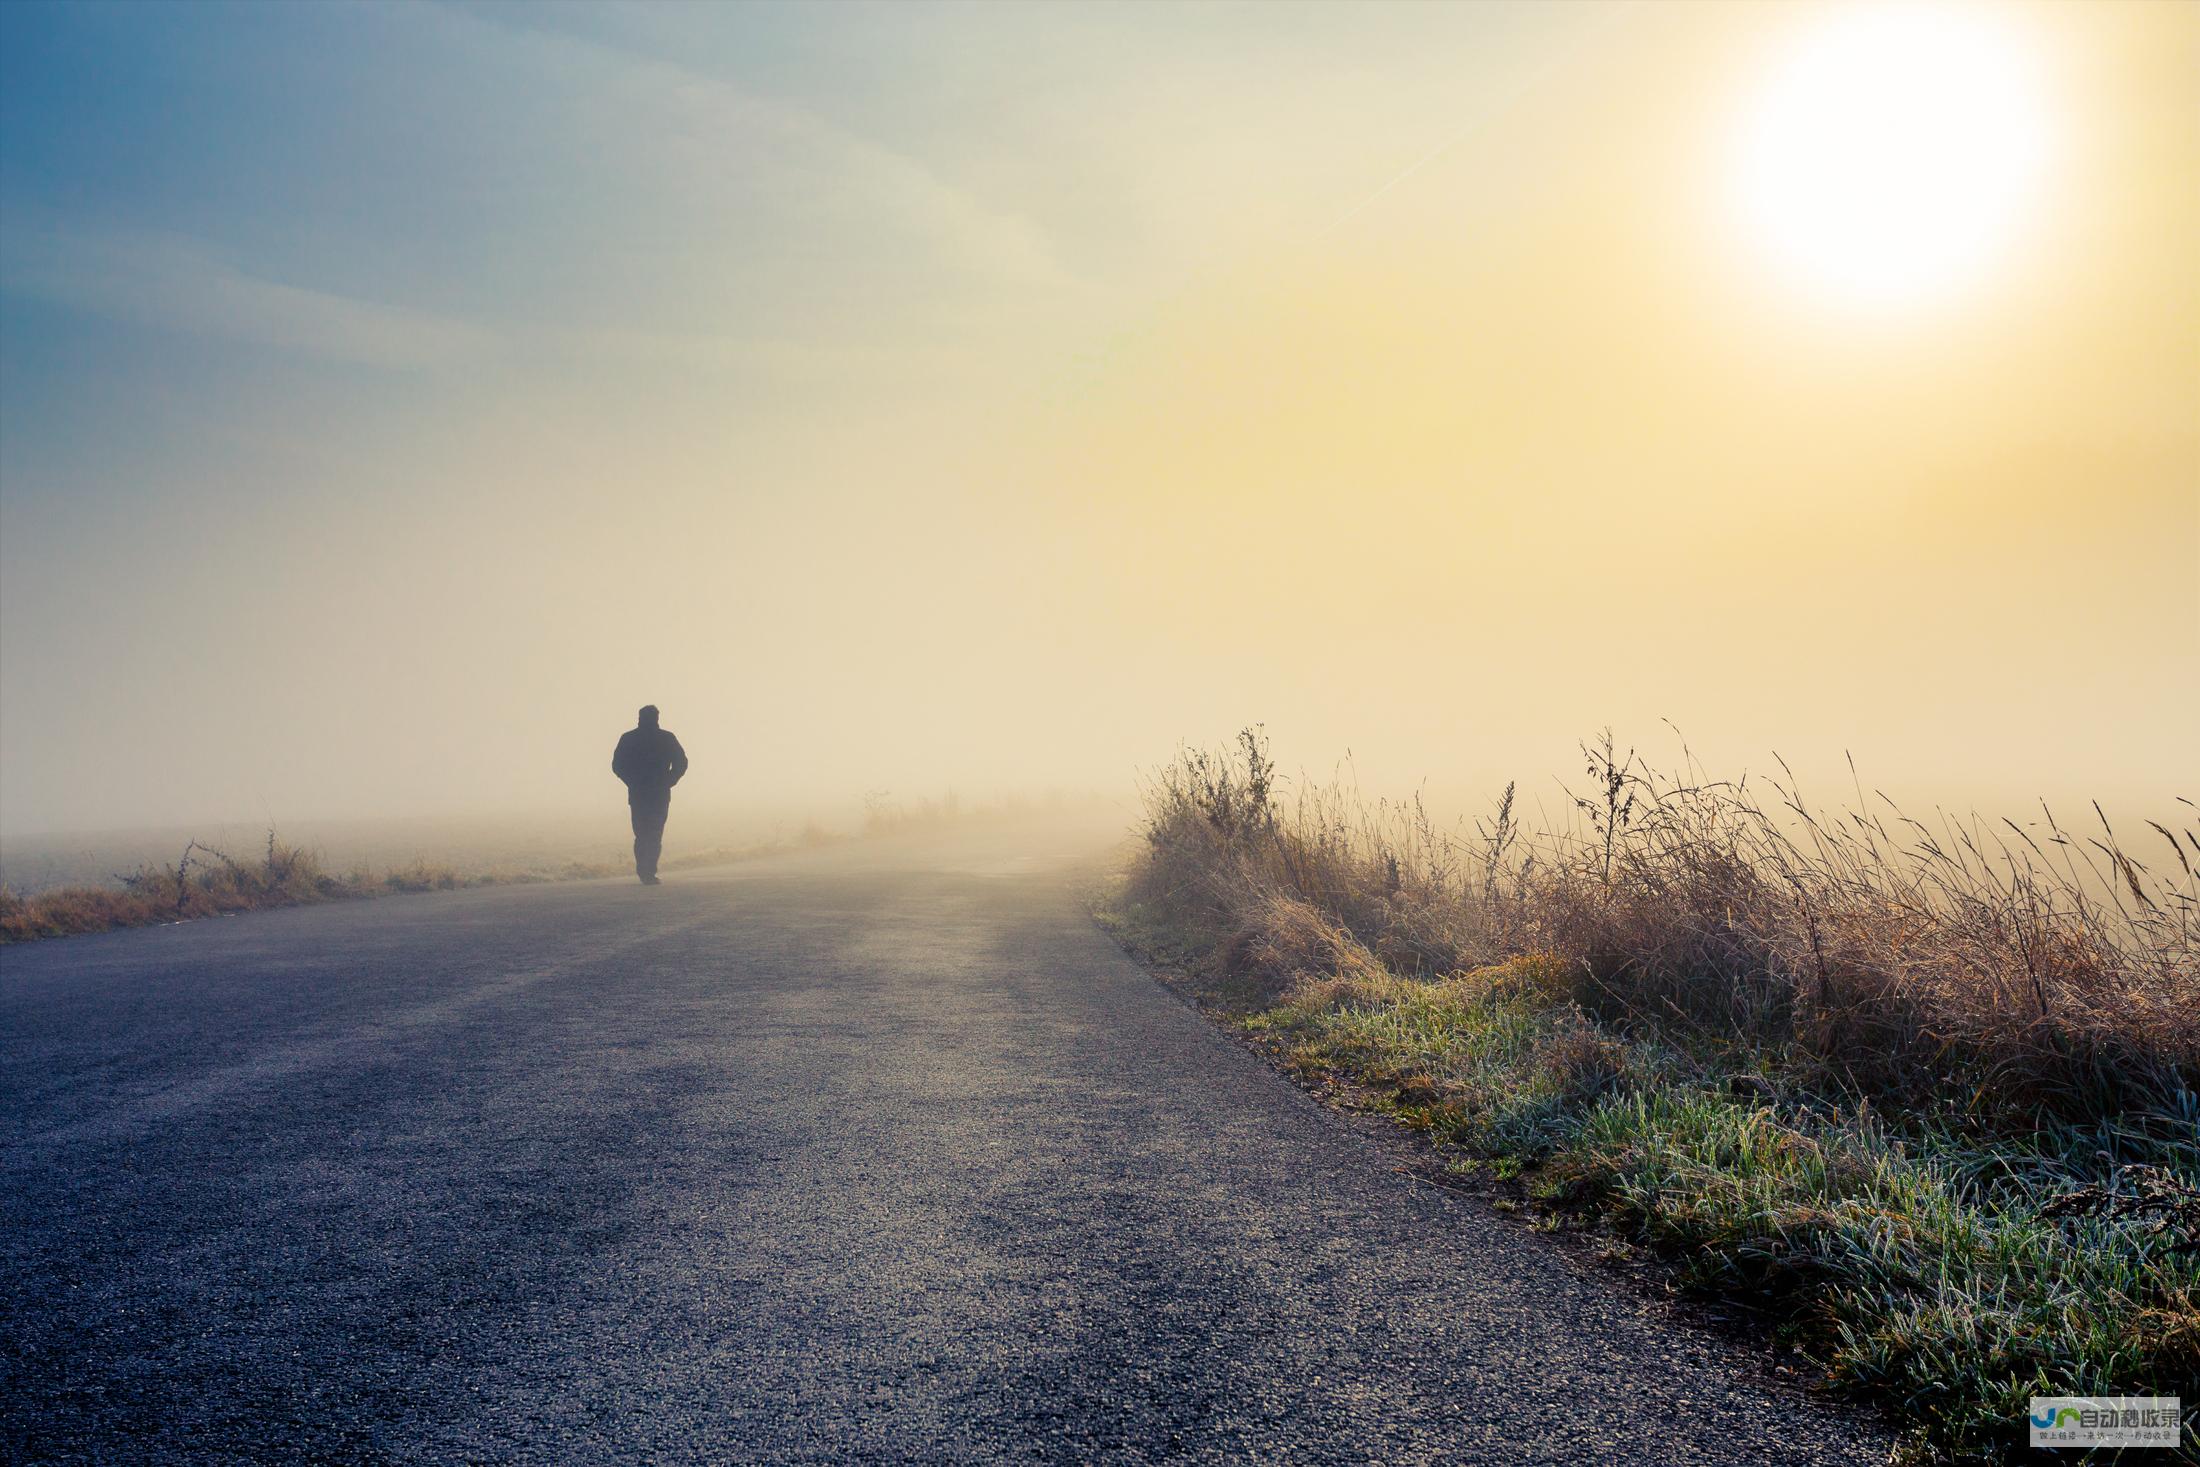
651,762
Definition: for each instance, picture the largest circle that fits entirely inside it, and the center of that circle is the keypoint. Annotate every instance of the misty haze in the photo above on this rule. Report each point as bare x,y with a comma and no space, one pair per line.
1443,732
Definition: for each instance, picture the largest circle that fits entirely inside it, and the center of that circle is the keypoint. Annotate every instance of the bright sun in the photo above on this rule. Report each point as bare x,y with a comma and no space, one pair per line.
1894,150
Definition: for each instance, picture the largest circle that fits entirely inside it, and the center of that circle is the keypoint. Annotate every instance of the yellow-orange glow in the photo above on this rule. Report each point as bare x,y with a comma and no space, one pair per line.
1894,152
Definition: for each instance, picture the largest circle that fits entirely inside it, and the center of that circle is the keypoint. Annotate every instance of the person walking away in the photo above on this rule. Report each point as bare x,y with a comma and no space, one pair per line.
650,760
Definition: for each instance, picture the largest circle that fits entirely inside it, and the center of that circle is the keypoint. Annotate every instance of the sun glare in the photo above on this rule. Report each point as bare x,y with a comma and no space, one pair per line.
1893,152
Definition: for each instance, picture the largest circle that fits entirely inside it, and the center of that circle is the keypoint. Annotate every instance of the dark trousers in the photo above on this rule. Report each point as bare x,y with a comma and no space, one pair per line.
649,811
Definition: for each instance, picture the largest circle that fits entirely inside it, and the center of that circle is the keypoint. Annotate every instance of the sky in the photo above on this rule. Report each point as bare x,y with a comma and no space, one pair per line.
914,397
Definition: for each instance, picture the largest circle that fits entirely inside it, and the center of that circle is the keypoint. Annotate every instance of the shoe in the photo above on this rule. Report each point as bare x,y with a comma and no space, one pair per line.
651,881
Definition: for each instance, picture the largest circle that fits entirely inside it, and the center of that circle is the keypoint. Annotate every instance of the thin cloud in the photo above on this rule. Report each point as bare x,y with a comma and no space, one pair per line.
714,134
182,285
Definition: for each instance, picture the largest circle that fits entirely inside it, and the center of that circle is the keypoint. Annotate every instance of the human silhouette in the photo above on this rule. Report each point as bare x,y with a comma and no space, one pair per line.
651,762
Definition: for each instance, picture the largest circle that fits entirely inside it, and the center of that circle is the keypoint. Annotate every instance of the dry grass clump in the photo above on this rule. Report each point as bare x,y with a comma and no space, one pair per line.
1288,942
204,882
2000,971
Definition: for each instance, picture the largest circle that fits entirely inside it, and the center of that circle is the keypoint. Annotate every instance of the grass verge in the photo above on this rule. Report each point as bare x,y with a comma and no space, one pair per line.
206,882
1848,1087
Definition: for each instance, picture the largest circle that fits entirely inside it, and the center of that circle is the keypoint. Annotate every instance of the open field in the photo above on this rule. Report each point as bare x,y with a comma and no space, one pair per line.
60,886
206,881
1925,1095
509,844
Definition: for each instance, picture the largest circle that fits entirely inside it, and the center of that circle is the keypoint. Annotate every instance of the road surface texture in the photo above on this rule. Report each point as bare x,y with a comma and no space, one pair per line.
876,1154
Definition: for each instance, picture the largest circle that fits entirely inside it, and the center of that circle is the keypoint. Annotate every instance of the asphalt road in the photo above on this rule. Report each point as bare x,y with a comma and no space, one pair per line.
877,1154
